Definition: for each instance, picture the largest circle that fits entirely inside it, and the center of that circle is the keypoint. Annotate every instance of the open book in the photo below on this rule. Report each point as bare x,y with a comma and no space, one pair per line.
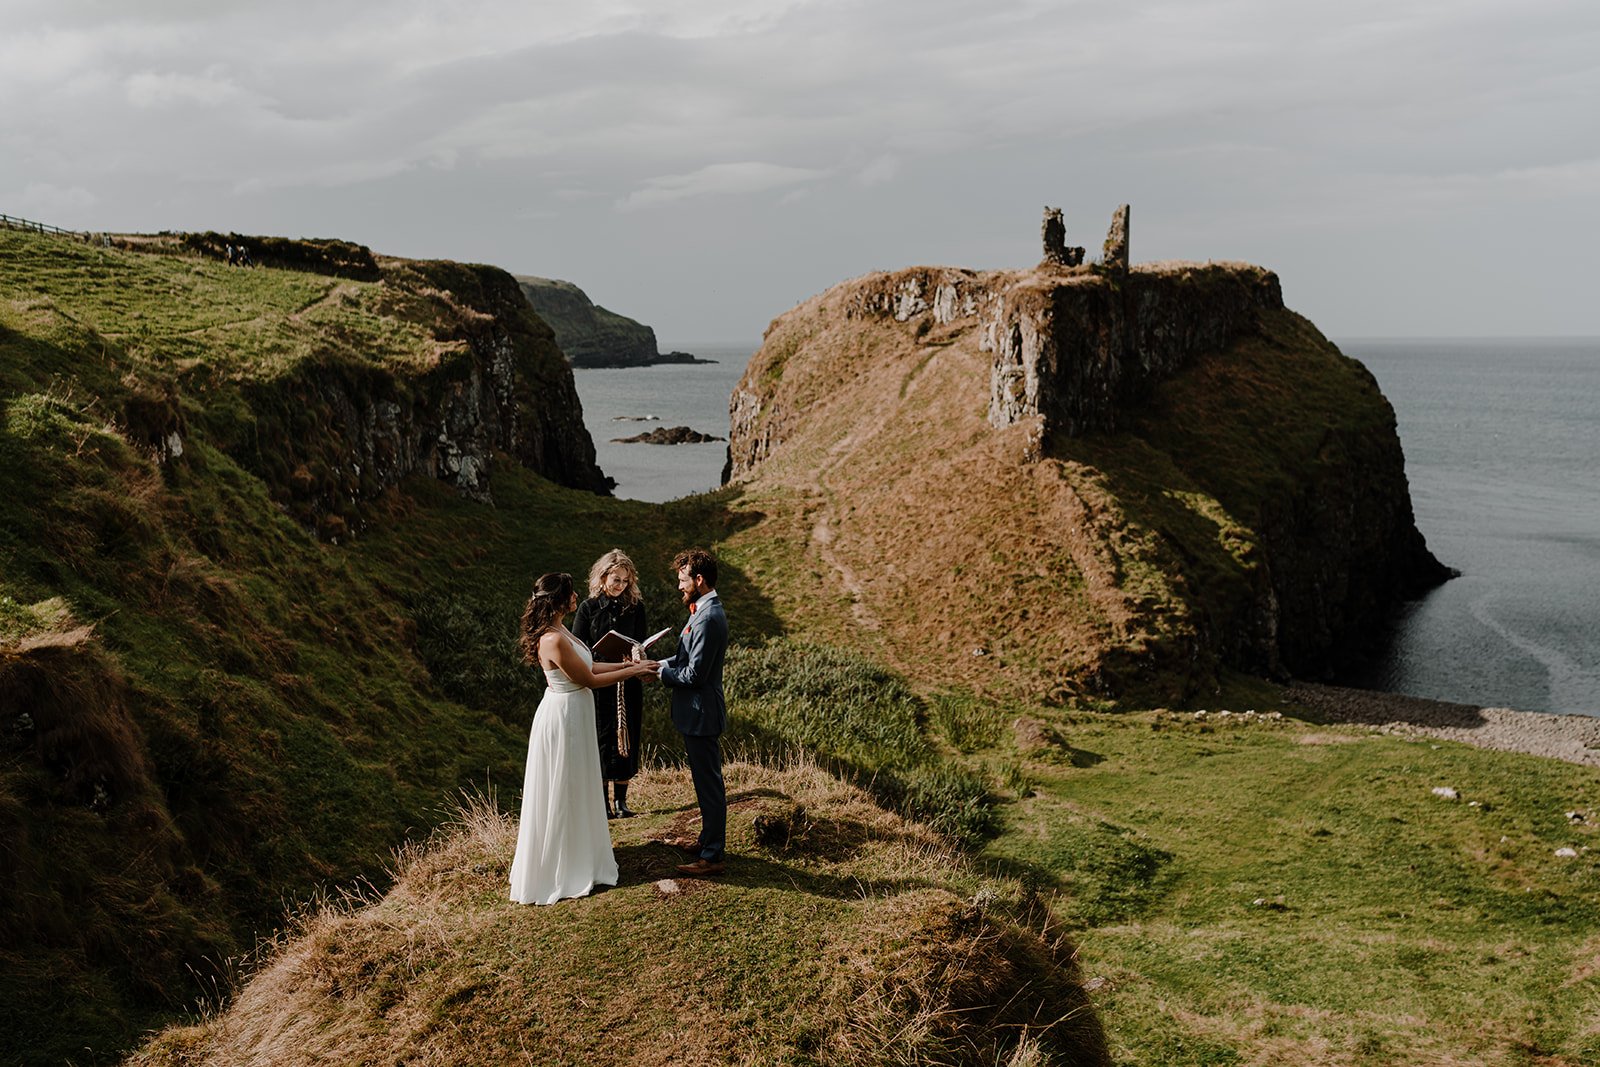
618,648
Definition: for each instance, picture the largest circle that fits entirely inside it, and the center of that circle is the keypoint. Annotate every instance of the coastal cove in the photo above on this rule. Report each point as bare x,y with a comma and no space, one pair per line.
256,609
1502,444
624,401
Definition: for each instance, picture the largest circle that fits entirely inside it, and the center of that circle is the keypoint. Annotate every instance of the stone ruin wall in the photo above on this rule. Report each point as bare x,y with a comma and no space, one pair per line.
1072,343
1075,352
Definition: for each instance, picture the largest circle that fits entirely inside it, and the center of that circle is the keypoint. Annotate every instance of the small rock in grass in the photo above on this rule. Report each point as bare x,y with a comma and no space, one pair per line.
1567,853
1474,803
1446,792
1575,816
667,886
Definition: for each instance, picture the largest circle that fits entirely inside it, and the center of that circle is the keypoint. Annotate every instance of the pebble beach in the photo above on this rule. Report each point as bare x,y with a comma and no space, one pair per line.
1574,738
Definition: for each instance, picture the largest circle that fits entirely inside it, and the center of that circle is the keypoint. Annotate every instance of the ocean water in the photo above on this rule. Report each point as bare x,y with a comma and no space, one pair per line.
1502,445
622,402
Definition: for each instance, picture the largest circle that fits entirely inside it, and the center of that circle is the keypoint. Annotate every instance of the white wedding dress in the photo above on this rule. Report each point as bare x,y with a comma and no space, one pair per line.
563,843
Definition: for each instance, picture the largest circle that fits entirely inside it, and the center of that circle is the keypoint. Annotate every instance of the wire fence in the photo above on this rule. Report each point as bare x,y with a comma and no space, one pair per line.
11,222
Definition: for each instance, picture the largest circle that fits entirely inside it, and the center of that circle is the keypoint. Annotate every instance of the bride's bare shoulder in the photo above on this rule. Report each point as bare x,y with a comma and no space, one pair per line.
550,645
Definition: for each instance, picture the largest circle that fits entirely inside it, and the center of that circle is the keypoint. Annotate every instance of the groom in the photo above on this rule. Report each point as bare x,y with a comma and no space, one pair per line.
694,673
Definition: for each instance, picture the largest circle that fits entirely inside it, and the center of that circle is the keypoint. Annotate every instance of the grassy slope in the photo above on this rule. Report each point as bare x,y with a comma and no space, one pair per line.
253,713
1115,563
1394,927
1278,892
854,939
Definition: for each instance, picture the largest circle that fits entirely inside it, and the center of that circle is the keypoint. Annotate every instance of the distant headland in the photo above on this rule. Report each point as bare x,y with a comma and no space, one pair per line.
589,334
1128,477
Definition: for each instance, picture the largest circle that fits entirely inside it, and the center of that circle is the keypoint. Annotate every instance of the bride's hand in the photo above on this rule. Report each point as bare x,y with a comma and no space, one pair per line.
647,668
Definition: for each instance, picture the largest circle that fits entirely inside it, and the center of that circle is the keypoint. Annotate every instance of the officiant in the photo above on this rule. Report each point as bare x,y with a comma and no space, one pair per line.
614,604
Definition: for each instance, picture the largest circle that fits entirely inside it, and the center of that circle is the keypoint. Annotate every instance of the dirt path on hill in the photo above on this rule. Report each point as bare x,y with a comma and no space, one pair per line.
335,291
822,533
1574,738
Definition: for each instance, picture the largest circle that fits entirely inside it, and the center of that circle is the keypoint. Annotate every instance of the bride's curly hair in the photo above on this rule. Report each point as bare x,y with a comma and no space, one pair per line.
552,595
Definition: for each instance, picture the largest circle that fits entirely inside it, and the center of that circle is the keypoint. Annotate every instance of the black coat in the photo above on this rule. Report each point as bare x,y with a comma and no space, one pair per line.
596,617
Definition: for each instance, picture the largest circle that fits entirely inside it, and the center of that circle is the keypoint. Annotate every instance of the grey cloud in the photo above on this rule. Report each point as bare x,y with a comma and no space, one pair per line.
890,131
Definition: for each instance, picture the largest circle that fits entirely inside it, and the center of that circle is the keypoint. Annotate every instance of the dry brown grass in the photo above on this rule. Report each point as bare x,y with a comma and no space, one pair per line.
73,701
862,939
918,513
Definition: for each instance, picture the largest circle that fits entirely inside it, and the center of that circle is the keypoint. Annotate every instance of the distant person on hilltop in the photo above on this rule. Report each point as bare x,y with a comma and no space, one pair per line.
563,844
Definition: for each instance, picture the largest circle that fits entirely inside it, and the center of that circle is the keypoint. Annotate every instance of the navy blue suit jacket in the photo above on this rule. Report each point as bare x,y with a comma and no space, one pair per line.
694,673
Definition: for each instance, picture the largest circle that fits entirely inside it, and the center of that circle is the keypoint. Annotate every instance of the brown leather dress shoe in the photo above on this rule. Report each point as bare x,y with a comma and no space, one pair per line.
700,868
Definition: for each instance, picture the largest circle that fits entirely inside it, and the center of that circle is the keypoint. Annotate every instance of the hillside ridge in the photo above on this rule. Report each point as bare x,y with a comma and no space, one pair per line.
593,336
1204,479
243,511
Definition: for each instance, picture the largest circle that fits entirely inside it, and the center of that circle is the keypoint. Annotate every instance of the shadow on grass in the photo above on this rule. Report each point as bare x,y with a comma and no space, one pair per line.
1080,757
654,861
1326,704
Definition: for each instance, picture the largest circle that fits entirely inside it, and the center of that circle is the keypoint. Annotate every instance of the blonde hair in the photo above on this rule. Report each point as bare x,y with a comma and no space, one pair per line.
608,563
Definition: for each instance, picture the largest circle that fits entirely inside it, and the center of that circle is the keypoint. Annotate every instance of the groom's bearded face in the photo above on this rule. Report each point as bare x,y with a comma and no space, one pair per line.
686,586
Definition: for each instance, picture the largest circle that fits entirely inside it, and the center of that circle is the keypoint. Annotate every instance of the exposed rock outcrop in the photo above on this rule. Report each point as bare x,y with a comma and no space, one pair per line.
333,435
590,335
668,435
1077,350
1216,483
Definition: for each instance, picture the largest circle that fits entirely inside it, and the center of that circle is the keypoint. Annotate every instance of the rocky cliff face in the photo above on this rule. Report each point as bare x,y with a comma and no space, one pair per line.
1077,346
333,435
1233,487
590,335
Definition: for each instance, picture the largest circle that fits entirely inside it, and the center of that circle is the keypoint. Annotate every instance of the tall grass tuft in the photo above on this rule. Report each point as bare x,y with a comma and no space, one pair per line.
857,718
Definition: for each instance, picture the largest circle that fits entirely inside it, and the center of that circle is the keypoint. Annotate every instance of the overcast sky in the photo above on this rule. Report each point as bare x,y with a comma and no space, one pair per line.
1408,167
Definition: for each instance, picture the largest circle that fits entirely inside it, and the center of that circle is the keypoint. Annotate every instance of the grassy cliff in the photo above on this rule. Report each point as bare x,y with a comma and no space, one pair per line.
212,701
257,623
589,334
220,708
1072,486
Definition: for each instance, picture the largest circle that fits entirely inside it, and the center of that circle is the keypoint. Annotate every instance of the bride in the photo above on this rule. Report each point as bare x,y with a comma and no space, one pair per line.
563,844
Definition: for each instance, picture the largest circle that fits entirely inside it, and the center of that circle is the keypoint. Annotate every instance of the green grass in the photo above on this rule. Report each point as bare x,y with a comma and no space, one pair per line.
1248,895
185,312
253,716
255,713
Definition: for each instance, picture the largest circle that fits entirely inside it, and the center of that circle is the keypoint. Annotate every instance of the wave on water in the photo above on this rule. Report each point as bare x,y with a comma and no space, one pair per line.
1570,684
1503,458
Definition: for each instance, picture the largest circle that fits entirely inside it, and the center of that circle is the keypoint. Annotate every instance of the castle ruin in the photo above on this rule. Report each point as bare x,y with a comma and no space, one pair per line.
1114,253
